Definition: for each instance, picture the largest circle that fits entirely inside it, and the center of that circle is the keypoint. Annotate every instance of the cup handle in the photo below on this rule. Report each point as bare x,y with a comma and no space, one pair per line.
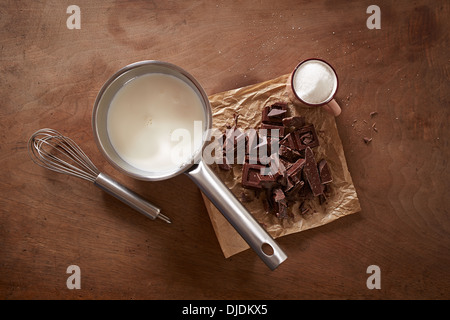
231,208
333,108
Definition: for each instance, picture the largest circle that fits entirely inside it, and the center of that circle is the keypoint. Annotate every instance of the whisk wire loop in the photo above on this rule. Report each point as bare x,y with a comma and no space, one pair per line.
51,150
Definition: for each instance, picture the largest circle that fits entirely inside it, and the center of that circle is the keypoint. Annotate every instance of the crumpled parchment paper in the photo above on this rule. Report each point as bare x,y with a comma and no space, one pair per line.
248,103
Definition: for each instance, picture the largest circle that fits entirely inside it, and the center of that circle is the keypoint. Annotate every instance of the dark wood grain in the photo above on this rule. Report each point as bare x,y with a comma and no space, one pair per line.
50,76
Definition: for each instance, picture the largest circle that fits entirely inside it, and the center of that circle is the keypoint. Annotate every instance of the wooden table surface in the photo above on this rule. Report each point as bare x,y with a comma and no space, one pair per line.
50,76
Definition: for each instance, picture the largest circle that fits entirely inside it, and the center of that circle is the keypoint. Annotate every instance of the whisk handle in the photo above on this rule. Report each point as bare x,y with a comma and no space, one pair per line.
127,196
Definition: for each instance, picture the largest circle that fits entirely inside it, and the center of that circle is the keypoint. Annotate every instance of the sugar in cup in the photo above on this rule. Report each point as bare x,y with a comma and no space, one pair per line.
314,83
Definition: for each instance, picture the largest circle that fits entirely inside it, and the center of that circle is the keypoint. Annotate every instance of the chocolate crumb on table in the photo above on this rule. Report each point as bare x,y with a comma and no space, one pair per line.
367,140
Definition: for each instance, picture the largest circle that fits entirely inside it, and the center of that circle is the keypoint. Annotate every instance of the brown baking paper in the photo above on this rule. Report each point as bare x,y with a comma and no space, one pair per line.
248,103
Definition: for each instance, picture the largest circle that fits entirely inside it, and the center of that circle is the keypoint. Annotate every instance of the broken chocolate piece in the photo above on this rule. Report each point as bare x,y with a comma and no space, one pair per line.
324,172
306,137
288,141
270,128
250,175
296,122
293,192
268,181
312,173
280,203
275,118
294,177
288,154
295,170
282,178
278,195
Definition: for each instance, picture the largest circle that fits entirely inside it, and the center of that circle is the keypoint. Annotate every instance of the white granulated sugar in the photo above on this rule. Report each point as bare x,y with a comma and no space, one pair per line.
314,82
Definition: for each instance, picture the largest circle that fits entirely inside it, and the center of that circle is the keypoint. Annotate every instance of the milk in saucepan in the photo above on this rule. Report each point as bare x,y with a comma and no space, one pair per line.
143,116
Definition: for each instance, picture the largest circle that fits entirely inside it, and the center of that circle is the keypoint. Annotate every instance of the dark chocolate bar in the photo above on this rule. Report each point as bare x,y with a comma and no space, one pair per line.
312,173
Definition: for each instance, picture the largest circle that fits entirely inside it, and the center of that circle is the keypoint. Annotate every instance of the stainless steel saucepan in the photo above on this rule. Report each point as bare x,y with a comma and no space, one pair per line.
257,238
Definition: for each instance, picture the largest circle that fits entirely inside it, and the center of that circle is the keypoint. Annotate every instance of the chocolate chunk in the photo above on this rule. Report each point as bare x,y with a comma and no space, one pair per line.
277,118
294,177
312,173
296,122
289,141
295,169
250,175
285,163
324,172
288,154
264,148
278,195
282,175
293,192
270,127
289,185
306,137
280,203
268,181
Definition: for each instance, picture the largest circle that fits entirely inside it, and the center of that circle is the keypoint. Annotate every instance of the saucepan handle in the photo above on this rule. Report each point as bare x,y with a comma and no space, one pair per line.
244,223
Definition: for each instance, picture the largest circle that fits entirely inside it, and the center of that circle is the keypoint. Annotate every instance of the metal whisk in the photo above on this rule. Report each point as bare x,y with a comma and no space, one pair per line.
50,149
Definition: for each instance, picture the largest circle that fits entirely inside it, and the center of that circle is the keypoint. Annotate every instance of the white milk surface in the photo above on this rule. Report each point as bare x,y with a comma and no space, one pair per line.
314,82
143,115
